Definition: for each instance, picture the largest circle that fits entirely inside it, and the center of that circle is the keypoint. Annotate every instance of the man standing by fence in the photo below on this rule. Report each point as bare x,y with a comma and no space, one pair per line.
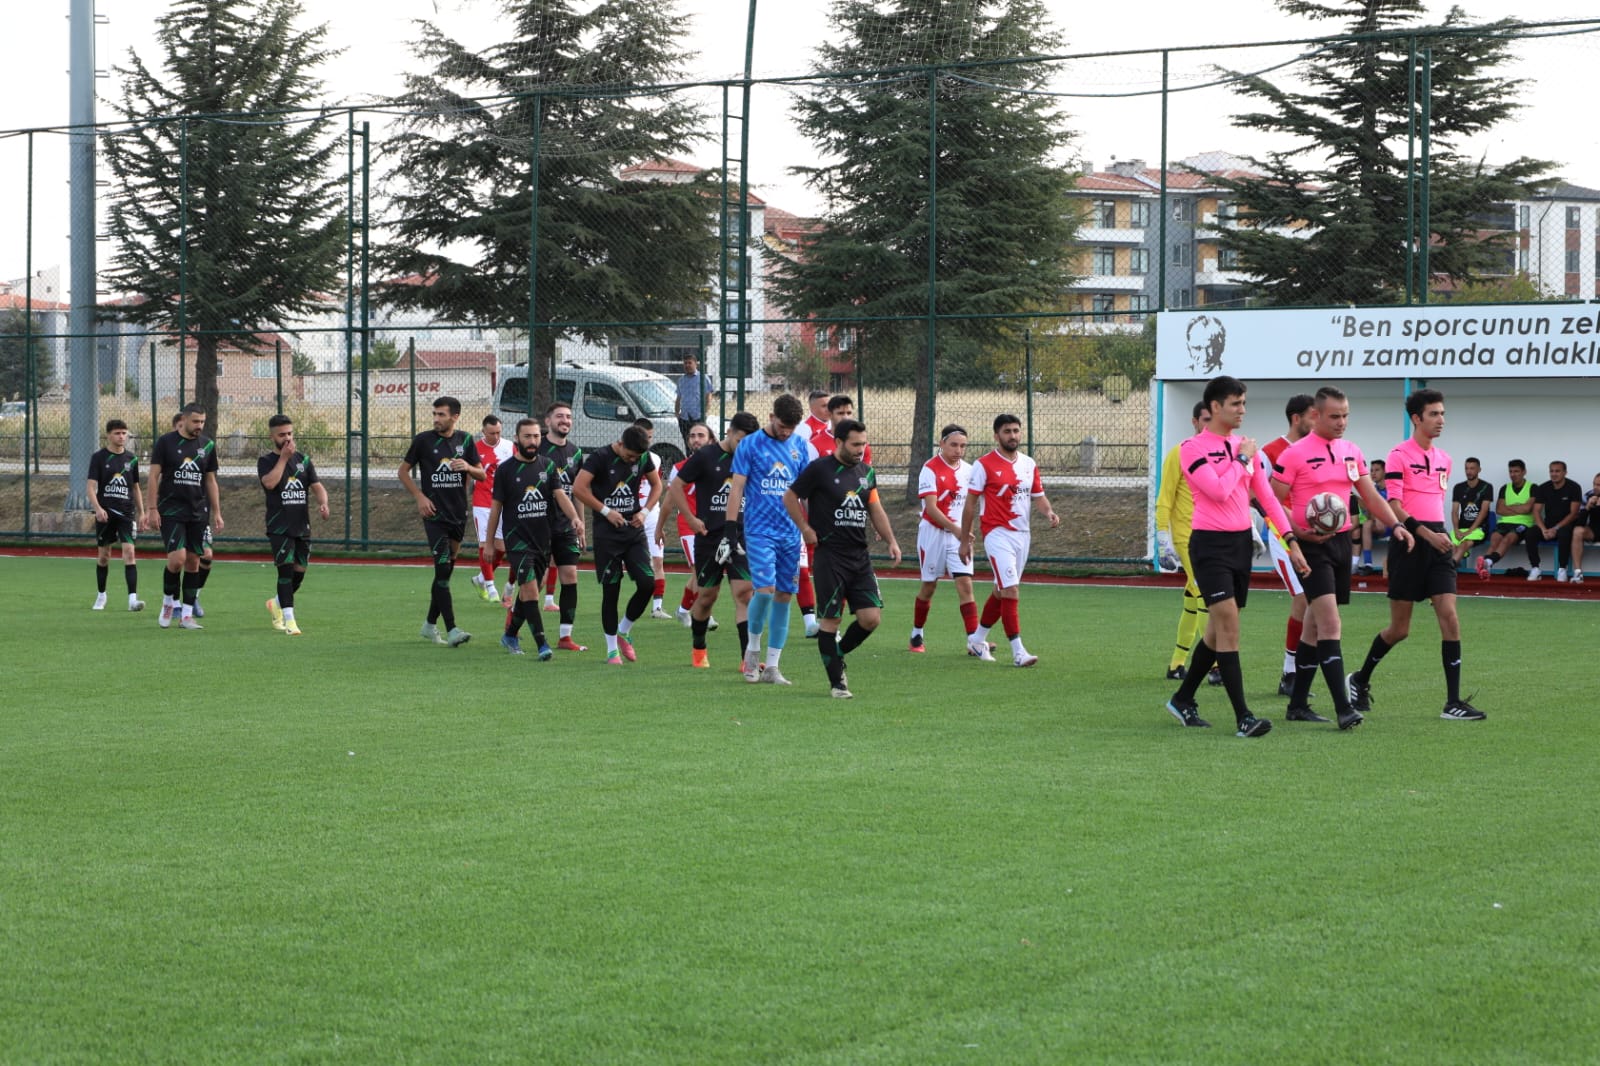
183,476
694,397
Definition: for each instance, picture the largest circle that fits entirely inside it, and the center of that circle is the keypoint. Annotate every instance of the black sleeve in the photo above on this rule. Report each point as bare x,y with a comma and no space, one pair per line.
265,464
311,477
95,467
502,483
414,453
806,483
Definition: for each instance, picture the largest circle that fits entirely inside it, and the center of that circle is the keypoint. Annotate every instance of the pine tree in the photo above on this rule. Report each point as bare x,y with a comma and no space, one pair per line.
1003,228
225,219
611,249
15,350
1325,222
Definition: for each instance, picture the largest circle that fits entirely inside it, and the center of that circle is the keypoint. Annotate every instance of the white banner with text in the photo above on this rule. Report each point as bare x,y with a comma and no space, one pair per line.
1460,341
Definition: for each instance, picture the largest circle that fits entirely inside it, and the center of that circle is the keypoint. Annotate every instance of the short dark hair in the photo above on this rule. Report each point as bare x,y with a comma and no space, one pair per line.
192,409
490,420
1329,392
848,426
116,423
698,422
279,420
527,422
1199,409
840,400
1517,463
1221,388
744,422
634,440
786,409
645,424
817,394
449,403
1562,463
1007,419
1472,459
1298,405
1420,400
1380,462
177,418
558,405
952,428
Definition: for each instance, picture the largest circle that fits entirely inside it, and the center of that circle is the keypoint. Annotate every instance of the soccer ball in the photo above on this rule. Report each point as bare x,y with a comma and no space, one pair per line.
1326,513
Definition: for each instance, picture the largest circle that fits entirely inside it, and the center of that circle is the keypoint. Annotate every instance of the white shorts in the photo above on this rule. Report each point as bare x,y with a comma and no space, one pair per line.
480,518
1007,550
939,553
1280,560
652,518
688,550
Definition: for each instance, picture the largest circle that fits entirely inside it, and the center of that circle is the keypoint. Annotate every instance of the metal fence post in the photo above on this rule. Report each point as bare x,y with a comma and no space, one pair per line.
411,389
1411,172
277,358
1427,174
30,410
1027,383
932,341
366,323
533,259
155,419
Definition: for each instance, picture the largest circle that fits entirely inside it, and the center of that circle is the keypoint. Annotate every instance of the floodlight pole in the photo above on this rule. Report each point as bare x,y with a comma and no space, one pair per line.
85,384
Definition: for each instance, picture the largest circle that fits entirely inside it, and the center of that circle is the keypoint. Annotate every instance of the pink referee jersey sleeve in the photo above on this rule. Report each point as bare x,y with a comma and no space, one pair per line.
1222,485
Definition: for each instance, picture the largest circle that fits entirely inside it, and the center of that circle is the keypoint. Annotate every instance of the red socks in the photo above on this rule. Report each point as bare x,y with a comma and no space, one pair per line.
486,564
919,612
969,617
550,582
661,587
991,611
1008,615
688,598
807,596
1291,642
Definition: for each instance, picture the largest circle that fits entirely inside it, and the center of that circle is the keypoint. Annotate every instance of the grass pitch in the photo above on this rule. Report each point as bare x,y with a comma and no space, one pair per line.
354,847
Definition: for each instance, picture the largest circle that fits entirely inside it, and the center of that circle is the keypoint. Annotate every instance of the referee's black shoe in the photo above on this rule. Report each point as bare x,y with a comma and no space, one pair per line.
1303,714
1462,711
1286,683
1350,719
1251,726
1360,693
1187,712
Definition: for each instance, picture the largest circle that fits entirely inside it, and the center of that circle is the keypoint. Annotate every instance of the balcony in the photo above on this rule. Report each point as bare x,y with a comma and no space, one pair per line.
1108,235
1210,276
1110,283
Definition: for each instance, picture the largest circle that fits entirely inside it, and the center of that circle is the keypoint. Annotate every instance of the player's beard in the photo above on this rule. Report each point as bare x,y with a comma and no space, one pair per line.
526,454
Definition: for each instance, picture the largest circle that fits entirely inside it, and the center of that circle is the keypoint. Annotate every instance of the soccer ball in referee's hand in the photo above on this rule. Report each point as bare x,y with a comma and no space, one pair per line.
1326,513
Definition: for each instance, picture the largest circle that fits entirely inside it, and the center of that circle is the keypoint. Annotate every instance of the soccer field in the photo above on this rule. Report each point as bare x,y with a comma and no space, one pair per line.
355,847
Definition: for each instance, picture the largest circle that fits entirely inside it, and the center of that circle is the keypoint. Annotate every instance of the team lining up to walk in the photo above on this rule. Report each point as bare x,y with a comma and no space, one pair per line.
780,511
1206,525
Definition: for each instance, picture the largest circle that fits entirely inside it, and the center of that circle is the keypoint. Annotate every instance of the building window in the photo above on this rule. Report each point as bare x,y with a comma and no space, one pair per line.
1182,298
1228,259
1139,304
1227,209
1524,217
1139,214
1102,307
1181,254
1105,261
1182,210
1104,214
1574,217
263,368
1572,261
1139,261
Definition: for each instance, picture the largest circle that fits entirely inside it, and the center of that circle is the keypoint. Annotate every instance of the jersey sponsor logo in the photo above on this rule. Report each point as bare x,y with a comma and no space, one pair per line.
620,498
445,478
116,488
293,492
188,472
852,511
719,499
533,503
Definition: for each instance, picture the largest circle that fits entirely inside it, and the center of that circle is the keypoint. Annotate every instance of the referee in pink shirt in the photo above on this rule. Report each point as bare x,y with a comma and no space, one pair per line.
1223,472
1419,479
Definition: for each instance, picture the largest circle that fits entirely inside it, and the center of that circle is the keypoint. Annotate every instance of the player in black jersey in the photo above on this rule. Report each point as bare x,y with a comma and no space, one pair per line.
710,471
289,480
832,501
183,479
566,538
118,501
529,493
618,483
447,461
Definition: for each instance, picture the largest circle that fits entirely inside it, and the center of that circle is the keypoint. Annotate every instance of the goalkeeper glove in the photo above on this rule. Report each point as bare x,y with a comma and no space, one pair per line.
1166,554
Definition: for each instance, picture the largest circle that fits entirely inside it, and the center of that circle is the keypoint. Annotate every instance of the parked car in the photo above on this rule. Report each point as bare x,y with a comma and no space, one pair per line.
605,398
14,409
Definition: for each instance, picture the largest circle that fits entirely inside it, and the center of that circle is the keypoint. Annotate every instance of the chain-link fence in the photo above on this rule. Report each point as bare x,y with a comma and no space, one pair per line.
918,223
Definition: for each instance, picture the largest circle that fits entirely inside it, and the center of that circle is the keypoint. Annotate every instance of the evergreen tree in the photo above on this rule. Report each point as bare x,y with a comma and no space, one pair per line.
1003,229
1325,222
225,220
14,352
611,248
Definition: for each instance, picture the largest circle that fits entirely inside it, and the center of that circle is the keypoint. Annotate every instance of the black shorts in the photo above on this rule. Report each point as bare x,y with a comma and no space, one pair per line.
289,551
708,573
622,551
842,578
183,536
443,537
527,566
1222,564
564,550
1330,568
1422,572
1515,532
116,529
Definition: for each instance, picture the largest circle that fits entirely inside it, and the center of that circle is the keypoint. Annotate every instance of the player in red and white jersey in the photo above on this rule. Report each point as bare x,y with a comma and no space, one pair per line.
698,437
1419,482
817,421
493,449
942,487
1001,484
1299,413
1323,461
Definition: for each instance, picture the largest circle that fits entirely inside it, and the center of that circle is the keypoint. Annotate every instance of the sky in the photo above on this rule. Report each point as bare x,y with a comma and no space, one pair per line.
1554,125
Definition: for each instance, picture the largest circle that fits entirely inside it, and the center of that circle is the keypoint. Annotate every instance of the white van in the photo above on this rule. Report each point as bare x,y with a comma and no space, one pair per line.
605,399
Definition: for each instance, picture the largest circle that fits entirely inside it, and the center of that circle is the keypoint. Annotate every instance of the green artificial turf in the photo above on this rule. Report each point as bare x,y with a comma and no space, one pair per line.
355,847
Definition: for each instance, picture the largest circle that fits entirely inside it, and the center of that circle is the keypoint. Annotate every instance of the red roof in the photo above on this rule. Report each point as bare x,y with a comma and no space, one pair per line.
18,301
452,360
